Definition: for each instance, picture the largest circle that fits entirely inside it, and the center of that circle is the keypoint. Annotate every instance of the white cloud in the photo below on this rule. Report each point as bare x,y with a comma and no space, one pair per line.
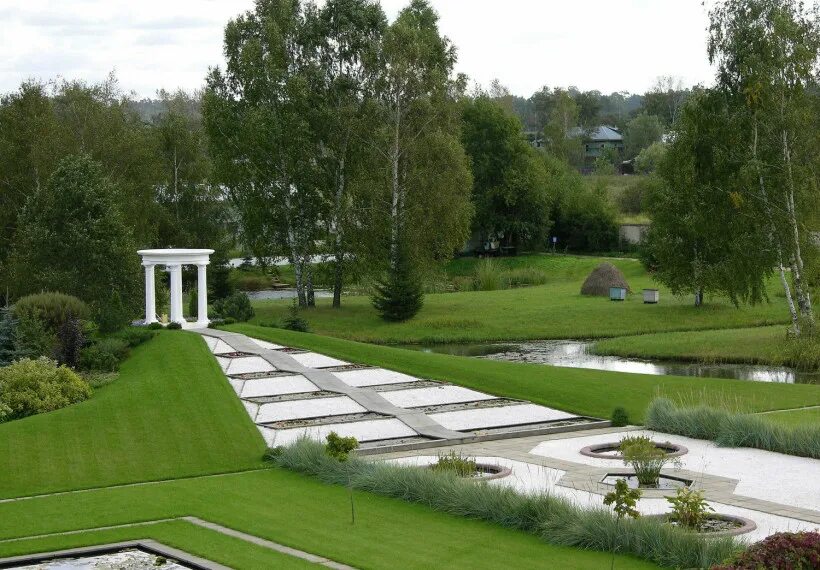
593,44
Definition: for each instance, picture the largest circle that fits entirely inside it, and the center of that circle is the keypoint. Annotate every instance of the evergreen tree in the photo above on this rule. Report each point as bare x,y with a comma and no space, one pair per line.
399,296
8,334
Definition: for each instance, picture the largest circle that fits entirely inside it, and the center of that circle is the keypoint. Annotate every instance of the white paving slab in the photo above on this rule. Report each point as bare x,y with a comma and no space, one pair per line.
217,345
266,344
497,417
784,479
244,365
432,396
372,377
277,386
367,430
315,408
316,360
531,478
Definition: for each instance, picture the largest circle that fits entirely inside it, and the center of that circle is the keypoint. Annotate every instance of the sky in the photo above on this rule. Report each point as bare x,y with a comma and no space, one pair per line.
152,44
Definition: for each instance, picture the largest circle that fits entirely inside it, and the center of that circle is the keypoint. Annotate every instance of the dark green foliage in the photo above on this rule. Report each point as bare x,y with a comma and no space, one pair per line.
135,336
294,320
619,417
112,314
8,335
632,199
70,341
237,307
338,447
729,429
29,387
51,309
174,326
155,327
104,354
192,303
400,296
553,519
786,550
72,237
219,279
585,221
623,500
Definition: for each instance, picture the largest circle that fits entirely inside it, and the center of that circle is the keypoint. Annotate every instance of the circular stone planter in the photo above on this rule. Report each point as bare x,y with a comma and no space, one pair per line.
486,472
718,524
612,450
665,482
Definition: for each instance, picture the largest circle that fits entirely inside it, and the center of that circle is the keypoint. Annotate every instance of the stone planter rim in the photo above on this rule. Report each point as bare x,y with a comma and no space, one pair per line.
591,450
748,525
499,471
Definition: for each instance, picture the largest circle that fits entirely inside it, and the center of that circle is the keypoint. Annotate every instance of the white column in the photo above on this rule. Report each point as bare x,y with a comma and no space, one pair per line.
150,295
201,295
176,293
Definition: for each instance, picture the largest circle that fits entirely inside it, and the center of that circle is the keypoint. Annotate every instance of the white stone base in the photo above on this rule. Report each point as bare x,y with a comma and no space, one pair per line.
497,417
372,377
363,431
315,408
432,396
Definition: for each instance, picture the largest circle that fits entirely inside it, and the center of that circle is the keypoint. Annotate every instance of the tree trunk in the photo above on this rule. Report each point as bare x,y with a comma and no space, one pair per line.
336,224
395,205
699,296
801,290
310,297
773,236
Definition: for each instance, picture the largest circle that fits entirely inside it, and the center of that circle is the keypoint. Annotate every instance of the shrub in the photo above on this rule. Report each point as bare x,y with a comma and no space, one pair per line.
649,158
237,307
294,321
112,314
175,326
51,309
340,447
399,297
620,417
554,519
729,429
624,500
104,354
155,327
586,221
193,309
787,550
487,275
29,387
70,341
135,336
645,458
8,336
689,508
457,463
32,339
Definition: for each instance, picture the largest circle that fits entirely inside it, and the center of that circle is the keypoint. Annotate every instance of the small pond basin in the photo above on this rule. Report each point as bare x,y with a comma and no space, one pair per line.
577,354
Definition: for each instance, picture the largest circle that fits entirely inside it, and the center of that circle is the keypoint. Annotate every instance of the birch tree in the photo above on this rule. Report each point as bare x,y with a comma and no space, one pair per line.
766,52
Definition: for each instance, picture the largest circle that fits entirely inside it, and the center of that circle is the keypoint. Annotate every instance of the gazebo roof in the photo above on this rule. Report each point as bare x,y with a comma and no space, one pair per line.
172,255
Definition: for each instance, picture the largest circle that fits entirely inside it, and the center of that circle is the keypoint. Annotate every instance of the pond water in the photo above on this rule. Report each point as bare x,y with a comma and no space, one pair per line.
275,294
577,354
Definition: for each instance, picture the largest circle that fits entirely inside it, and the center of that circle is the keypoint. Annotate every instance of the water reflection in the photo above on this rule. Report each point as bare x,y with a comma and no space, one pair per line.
576,354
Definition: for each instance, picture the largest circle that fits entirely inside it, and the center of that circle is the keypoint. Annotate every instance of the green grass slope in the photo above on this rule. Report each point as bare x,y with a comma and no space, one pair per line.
554,310
586,392
170,414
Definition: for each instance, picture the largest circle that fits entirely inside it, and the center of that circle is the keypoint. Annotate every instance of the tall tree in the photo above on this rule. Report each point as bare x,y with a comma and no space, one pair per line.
766,52
561,132
349,32
511,192
258,119
641,132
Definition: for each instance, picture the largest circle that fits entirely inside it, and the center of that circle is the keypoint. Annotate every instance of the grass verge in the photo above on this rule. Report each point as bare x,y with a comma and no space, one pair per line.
585,392
729,429
301,512
170,414
555,520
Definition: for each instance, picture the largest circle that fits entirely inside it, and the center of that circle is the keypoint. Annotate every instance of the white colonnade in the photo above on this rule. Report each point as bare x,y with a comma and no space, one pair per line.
173,260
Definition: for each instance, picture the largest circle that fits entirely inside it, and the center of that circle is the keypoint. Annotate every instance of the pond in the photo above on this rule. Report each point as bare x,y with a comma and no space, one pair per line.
577,354
276,294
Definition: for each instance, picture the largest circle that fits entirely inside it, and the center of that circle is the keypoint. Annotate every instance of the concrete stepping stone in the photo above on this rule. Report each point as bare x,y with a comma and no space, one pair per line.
363,431
265,344
316,360
244,365
478,418
276,386
429,396
373,377
296,409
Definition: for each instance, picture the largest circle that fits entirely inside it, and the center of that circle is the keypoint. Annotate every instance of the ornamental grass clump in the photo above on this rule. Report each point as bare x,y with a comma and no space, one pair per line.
728,429
554,519
457,463
641,453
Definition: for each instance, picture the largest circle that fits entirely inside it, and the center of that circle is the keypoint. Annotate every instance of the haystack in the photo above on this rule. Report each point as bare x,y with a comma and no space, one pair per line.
602,278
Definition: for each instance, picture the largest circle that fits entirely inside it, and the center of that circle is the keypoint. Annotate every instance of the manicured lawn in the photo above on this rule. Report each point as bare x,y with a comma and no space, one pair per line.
170,414
554,310
586,392
810,417
300,512
188,537
760,345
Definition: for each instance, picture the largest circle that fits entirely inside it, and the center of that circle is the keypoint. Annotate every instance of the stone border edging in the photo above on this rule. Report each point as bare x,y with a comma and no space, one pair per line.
593,450
748,525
